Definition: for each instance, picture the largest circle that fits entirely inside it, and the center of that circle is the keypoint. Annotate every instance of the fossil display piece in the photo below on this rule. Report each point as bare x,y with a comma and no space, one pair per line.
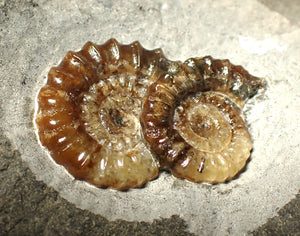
114,115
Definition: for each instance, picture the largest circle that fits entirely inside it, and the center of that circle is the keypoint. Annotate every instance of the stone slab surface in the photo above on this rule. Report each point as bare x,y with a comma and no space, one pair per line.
38,197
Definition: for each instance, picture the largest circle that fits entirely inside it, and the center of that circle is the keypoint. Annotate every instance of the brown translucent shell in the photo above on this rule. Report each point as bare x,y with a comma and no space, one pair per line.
113,115
192,119
88,114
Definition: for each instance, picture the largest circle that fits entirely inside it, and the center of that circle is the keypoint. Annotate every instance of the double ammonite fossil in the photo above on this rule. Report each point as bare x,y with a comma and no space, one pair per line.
115,115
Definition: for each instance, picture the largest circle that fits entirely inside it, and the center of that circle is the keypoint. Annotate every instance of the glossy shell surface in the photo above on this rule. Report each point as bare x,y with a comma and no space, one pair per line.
114,115
88,114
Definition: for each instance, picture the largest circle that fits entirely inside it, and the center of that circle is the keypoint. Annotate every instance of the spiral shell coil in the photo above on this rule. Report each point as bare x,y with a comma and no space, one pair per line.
115,115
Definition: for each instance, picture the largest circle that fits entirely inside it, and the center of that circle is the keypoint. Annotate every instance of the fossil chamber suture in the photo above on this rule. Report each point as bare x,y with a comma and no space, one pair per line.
115,115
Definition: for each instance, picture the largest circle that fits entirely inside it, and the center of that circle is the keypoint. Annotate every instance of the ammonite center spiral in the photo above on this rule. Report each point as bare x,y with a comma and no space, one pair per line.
208,126
110,112
218,138
115,114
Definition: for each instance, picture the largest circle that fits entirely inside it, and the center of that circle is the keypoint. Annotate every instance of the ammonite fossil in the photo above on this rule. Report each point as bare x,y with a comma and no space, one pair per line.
114,115
192,119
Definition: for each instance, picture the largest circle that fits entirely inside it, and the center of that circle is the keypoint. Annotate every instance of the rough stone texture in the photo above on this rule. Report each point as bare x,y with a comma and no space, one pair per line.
29,207
286,223
34,35
290,10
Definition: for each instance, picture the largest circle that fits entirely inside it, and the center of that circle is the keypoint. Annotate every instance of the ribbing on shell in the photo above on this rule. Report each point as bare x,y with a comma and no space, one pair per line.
175,148
218,141
88,114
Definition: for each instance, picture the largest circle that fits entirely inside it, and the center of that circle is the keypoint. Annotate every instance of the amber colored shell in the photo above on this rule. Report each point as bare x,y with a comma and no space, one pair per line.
218,141
113,115
211,154
100,87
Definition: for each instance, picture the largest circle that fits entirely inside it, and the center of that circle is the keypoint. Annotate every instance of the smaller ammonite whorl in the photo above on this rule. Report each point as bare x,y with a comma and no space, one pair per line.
192,119
218,142
88,114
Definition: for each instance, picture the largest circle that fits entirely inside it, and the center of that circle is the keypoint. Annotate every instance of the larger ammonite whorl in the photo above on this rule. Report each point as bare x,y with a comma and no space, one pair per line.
114,114
88,114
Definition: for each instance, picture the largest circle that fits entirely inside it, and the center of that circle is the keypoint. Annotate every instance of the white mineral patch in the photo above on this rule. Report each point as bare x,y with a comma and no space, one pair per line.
246,32
260,46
